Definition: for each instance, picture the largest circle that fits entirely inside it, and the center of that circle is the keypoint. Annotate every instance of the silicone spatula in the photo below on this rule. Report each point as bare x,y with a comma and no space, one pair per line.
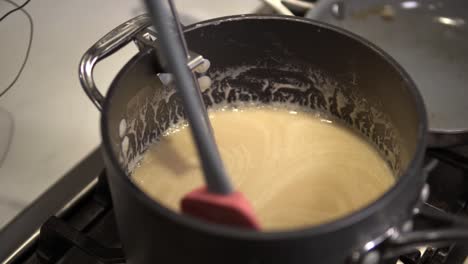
217,202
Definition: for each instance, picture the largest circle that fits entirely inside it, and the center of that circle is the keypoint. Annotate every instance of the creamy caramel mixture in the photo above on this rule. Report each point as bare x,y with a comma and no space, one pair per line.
297,168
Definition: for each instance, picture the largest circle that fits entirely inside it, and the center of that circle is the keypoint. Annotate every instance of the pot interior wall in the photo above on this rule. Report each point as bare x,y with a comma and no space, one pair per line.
272,61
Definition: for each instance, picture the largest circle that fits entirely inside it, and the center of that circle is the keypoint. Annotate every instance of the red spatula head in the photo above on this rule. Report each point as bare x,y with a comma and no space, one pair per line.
232,209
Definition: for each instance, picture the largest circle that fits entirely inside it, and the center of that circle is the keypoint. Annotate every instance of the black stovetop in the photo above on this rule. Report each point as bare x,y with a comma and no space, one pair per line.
85,231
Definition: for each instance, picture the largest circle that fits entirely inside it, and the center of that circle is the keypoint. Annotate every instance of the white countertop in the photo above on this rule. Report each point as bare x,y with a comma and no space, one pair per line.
55,125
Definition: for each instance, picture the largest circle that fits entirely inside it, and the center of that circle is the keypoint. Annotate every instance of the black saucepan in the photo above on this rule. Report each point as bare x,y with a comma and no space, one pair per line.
264,59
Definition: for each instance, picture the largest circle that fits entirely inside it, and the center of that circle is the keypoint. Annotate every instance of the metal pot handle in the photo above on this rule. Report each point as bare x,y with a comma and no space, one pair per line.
107,45
453,229
456,230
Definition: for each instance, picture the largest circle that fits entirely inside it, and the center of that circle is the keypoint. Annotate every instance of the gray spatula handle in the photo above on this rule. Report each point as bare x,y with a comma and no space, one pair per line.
175,54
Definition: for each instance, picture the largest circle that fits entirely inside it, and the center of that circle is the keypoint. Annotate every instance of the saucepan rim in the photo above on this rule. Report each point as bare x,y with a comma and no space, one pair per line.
412,169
